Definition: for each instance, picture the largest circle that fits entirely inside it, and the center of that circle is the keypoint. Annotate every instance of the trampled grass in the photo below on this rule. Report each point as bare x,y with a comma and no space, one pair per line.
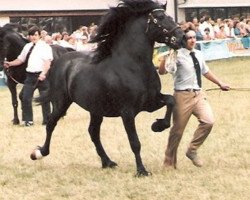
73,169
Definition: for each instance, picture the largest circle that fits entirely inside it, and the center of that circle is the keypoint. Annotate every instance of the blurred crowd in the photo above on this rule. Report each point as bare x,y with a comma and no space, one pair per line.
208,29
78,40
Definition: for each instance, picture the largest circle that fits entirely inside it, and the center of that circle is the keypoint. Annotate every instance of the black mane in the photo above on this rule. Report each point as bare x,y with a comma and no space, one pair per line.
113,24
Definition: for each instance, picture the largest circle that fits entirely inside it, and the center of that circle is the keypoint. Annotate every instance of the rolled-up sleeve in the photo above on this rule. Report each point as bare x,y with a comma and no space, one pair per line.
24,53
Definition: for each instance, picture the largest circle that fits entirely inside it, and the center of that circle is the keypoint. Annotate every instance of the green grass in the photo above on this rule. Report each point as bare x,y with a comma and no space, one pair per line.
73,169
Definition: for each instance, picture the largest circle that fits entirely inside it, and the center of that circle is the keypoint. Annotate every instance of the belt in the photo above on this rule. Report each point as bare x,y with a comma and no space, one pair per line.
188,90
36,73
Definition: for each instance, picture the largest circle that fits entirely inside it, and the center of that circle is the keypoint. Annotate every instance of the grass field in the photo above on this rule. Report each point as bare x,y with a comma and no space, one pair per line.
73,169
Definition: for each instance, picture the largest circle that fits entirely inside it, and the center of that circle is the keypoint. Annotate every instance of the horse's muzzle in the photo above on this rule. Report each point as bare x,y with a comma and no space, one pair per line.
173,42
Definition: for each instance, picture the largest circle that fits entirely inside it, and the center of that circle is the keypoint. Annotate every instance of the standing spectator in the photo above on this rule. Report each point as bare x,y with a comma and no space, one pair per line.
207,35
65,41
217,26
190,100
240,31
85,32
43,34
237,29
48,39
65,36
198,33
248,27
195,21
244,34
206,24
243,30
38,56
184,25
231,29
78,33
83,44
221,34
57,38
92,31
226,23
72,42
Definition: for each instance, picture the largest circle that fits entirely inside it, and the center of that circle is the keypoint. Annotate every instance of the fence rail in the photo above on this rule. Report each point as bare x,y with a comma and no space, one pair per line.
213,49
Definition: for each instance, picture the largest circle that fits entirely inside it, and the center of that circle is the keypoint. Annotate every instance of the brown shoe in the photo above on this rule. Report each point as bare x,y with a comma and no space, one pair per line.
169,163
194,158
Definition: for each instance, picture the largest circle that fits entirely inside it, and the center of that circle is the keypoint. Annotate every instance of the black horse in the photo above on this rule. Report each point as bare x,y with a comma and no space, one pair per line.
119,78
12,43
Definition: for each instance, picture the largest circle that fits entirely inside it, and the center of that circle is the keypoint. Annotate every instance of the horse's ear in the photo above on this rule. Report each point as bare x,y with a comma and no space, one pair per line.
164,6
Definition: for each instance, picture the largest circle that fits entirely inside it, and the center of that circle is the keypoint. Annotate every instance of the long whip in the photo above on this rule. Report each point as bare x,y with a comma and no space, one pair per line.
235,89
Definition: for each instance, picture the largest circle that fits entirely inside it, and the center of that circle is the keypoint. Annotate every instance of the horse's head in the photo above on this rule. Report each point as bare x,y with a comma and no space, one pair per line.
162,28
11,43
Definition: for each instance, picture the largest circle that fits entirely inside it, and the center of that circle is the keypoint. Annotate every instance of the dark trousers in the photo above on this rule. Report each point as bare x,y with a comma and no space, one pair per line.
31,83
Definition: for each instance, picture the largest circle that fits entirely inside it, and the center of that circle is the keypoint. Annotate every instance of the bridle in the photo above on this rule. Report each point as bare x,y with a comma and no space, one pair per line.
7,71
170,38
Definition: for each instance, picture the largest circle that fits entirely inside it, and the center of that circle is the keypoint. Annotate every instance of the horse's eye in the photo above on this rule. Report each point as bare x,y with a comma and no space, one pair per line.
161,17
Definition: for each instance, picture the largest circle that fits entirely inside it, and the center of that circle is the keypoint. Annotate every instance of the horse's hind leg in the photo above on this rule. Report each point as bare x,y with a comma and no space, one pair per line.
162,124
59,110
94,131
13,91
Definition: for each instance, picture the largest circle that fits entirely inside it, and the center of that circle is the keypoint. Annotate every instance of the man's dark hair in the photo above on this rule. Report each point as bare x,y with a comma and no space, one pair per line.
207,18
207,29
33,30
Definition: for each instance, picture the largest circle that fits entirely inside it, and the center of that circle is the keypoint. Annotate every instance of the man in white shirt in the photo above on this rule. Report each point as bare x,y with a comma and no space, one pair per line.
206,24
38,56
190,100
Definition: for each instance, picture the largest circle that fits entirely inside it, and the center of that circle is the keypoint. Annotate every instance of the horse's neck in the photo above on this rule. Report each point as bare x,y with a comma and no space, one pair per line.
15,49
135,42
13,53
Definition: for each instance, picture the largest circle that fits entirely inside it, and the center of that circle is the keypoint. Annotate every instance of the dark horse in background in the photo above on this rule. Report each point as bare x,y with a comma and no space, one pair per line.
118,79
11,45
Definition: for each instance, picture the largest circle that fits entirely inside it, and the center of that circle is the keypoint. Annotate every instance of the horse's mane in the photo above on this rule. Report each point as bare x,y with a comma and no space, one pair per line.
113,24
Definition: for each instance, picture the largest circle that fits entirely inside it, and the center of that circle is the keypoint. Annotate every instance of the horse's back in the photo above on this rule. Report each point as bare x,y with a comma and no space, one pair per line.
65,69
58,51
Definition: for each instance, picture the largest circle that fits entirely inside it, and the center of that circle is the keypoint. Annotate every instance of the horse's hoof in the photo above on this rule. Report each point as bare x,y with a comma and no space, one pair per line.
36,154
15,121
159,125
109,164
142,173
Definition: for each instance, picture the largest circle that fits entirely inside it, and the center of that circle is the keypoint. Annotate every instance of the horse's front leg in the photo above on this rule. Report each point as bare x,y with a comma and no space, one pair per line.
129,124
161,124
39,152
59,110
94,131
13,91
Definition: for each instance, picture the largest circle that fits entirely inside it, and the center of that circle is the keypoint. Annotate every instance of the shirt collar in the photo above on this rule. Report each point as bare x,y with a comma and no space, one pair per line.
187,52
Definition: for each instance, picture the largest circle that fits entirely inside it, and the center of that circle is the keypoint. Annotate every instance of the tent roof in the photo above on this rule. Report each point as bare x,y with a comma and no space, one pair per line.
55,5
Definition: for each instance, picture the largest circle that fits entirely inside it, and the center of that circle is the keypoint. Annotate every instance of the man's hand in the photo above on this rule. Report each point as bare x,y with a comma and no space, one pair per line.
41,77
224,86
6,64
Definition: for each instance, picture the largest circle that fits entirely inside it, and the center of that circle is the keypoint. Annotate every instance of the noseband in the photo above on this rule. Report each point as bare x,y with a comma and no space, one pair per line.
169,39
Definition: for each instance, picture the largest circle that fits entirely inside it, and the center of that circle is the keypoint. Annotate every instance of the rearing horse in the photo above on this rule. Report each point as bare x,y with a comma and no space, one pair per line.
12,43
118,79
